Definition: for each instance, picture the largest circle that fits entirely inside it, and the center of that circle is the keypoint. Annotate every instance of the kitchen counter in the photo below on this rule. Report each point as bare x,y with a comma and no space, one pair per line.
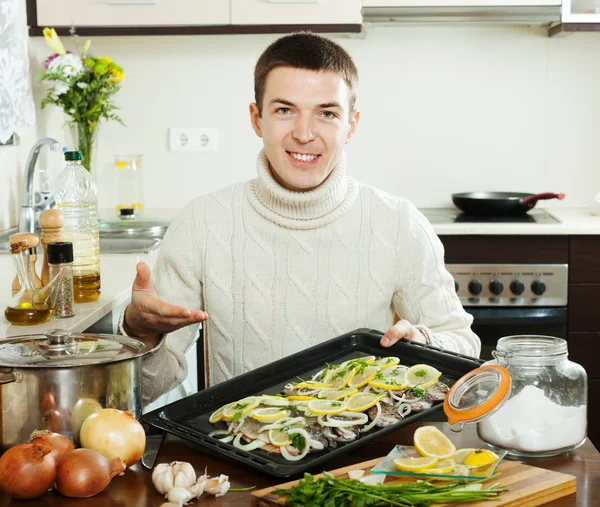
117,274
135,489
573,221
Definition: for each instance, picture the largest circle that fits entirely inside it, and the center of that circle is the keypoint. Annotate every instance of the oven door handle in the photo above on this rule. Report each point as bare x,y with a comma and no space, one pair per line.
519,316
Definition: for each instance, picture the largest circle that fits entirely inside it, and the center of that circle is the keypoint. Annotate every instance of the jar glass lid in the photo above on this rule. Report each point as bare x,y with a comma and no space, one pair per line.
477,393
60,348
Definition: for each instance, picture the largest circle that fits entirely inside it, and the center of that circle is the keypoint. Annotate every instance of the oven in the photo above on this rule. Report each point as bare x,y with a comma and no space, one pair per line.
511,299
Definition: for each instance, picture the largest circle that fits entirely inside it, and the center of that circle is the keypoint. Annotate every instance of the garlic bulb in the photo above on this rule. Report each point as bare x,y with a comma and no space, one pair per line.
180,496
217,486
178,474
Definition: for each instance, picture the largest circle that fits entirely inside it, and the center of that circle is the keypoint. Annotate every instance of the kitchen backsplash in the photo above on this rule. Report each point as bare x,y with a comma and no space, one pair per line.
444,109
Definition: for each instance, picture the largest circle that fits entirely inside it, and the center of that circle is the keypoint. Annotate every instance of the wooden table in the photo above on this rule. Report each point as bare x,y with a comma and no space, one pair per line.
135,489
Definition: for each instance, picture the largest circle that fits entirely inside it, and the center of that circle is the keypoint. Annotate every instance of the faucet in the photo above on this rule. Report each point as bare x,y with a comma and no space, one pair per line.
27,217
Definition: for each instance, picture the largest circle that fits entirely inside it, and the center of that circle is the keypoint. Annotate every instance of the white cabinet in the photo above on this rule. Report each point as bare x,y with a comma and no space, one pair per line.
581,11
295,12
113,13
458,3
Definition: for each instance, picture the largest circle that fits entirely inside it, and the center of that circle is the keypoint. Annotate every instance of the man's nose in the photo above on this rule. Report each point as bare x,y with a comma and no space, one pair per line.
303,130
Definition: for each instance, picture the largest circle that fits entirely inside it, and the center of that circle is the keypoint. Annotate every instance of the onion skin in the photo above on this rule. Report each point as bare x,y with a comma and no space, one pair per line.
114,434
83,473
58,444
27,471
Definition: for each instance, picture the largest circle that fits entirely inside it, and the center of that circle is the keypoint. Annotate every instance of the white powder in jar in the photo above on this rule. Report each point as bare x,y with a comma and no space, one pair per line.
530,422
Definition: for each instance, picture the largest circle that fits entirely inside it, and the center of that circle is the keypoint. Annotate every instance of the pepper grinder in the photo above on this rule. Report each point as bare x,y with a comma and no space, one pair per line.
32,241
51,222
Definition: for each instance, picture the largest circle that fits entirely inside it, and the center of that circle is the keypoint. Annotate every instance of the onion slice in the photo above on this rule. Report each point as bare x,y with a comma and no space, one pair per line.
237,442
307,441
404,409
370,426
353,419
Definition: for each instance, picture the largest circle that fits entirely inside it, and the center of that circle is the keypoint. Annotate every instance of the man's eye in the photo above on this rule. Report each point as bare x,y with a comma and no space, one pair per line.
328,114
284,110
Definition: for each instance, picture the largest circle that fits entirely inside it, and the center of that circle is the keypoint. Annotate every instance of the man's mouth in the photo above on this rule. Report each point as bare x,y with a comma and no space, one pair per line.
303,157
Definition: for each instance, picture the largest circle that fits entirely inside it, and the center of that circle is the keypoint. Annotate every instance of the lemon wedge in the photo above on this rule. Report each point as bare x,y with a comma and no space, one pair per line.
339,377
386,362
362,378
271,414
323,407
431,442
414,464
442,467
422,375
217,415
243,406
363,401
336,394
480,457
460,455
279,438
390,382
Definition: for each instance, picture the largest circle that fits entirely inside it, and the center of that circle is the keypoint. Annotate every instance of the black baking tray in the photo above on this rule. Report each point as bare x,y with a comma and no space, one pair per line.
188,418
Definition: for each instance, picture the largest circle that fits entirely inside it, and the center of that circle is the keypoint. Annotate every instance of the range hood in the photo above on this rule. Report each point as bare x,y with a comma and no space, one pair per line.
530,12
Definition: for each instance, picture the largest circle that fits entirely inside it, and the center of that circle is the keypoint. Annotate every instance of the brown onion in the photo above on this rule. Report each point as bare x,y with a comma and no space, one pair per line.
114,434
27,471
83,473
57,443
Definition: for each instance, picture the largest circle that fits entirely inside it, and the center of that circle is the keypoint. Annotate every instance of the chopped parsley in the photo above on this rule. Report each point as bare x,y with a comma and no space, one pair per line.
419,392
298,441
421,373
336,404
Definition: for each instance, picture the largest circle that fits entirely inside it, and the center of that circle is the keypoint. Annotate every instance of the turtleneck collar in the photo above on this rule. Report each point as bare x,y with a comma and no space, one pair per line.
301,210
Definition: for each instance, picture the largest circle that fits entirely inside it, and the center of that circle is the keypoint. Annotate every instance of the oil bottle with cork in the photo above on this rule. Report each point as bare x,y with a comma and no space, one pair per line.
76,200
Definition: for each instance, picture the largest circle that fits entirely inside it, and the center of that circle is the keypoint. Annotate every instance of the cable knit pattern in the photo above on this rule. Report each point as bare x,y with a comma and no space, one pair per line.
279,271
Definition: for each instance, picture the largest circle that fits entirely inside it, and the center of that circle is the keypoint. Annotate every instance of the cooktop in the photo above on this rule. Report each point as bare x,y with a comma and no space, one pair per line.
455,216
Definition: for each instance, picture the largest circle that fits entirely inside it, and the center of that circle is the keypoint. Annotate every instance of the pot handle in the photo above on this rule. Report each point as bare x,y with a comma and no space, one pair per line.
532,199
13,376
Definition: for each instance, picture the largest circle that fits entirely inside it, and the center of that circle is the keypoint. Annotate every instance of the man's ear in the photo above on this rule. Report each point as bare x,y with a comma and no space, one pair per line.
354,118
255,119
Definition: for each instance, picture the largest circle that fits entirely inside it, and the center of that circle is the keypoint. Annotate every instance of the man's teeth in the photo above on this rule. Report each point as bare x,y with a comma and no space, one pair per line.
304,158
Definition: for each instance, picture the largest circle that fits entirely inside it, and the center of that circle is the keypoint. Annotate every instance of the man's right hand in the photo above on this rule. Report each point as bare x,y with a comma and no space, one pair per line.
148,318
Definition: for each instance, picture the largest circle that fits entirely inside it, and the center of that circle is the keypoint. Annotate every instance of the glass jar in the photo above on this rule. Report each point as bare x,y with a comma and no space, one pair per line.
60,259
130,183
530,401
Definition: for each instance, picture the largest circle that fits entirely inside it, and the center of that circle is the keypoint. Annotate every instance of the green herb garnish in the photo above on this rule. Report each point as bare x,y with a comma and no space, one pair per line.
331,492
240,406
419,392
421,373
237,416
298,441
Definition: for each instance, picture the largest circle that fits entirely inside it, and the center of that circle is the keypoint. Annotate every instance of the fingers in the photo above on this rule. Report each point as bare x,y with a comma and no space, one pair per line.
142,277
402,329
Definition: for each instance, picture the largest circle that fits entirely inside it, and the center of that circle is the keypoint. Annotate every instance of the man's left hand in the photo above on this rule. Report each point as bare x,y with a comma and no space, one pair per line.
402,329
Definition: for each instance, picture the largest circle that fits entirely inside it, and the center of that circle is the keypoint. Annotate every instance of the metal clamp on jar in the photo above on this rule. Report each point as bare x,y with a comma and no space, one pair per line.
531,400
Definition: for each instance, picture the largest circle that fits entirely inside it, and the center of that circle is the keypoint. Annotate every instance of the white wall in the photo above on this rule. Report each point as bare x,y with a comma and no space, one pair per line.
444,109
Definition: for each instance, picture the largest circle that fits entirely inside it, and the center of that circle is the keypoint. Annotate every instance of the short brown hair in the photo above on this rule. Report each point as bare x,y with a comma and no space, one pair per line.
305,50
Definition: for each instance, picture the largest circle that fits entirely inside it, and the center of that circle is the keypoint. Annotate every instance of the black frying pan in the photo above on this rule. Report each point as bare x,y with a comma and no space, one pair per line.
499,203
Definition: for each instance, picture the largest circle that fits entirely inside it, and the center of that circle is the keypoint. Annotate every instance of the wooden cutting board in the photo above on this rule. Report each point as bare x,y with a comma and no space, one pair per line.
527,485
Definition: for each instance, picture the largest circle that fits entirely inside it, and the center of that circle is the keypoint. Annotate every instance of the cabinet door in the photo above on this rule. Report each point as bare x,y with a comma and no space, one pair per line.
295,12
132,12
458,3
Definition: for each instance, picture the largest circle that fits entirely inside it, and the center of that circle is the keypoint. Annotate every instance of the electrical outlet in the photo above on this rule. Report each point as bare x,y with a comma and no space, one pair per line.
194,139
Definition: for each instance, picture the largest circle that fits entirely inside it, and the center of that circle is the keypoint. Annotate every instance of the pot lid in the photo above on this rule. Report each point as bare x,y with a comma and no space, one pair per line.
476,395
140,225
61,348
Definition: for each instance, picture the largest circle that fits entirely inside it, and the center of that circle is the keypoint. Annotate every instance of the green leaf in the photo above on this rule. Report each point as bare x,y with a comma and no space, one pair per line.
237,416
298,441
421,373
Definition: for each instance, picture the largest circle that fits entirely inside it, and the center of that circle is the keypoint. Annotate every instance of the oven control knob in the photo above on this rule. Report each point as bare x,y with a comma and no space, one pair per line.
496,287
517,287
475,287
538,287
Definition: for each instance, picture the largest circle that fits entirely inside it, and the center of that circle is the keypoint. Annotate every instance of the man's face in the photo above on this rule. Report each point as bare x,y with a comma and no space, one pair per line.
304,125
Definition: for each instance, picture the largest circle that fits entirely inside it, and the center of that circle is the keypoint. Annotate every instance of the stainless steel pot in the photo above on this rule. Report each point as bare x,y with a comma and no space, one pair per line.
54,381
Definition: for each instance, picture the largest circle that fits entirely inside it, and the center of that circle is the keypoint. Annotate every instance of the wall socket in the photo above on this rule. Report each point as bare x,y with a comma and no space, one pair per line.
205,140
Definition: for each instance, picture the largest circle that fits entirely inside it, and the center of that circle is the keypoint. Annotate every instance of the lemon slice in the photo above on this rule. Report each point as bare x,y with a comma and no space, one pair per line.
363,401
362,378
431,442
479,458
312,384
336,394
339,377
391,383
274,401
323,407
395,371
386,362
297,397
444,466
279,438
217,415
422,375
414,464
271,414
243,406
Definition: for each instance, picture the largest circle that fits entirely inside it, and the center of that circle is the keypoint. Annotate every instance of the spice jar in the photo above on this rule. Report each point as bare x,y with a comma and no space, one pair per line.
60,259
530,401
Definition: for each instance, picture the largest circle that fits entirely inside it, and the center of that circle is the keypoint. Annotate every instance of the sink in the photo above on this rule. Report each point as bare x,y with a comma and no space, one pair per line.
108,244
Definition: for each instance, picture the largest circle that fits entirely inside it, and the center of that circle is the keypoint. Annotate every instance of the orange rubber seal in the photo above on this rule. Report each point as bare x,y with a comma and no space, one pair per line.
470,414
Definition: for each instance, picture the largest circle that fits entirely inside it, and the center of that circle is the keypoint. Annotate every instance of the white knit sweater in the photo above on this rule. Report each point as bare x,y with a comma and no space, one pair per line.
279,271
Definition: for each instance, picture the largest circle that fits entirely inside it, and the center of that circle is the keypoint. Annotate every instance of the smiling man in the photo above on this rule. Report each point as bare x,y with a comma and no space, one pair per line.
302,253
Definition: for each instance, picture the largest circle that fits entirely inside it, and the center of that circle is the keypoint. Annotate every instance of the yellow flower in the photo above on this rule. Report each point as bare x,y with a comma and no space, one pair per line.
106,59
53,41
117,73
